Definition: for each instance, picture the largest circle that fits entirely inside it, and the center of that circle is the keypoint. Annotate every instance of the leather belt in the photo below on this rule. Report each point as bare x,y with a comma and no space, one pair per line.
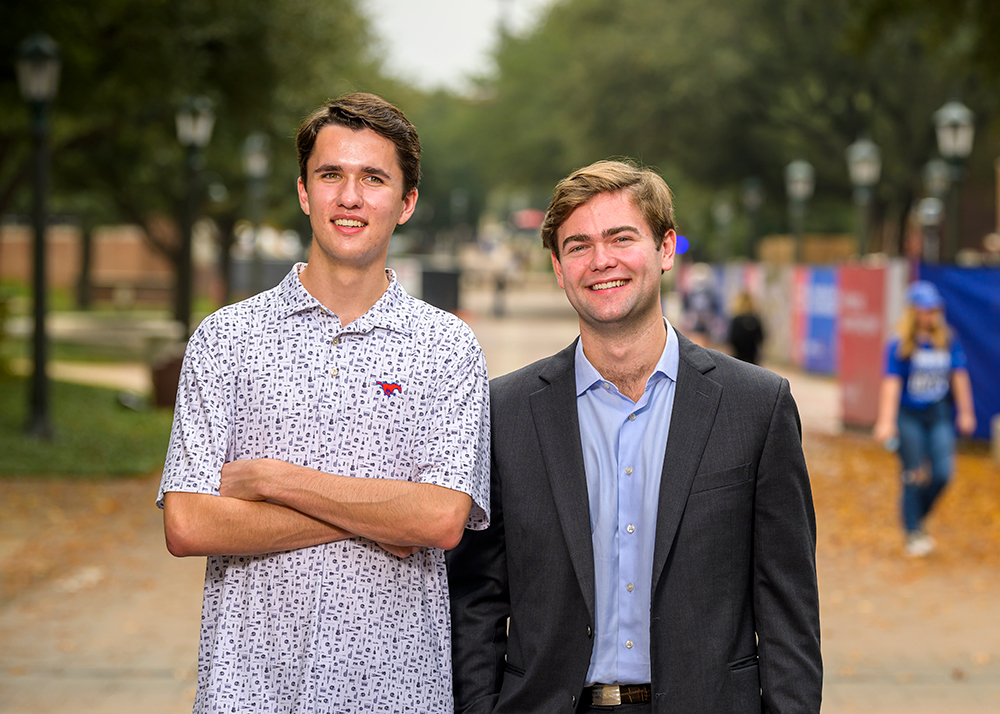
610,695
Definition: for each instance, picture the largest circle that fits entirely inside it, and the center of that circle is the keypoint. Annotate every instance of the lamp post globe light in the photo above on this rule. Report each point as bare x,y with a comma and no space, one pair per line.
864,162
195,121
257,165
954,123
38,67
799,185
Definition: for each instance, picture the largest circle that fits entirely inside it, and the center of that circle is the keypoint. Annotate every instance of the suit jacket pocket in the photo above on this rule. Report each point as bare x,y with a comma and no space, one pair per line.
511,669
721,479
745,674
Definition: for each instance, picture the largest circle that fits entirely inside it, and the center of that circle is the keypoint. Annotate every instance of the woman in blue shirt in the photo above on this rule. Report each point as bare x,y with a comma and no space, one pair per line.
926,382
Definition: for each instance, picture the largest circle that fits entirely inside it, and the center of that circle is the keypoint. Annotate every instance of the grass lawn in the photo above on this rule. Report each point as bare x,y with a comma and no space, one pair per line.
94,435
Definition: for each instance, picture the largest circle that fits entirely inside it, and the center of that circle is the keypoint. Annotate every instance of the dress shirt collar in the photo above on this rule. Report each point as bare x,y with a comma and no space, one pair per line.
387,312
587,375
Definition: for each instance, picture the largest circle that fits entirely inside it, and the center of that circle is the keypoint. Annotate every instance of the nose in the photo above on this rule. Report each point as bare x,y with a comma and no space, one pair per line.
350,194
602,257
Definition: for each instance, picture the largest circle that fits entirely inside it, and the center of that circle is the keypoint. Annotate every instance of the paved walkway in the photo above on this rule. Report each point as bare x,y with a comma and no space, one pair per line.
115,629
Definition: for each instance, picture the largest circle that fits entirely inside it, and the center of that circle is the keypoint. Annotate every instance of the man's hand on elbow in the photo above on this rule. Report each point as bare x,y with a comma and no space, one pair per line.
247,479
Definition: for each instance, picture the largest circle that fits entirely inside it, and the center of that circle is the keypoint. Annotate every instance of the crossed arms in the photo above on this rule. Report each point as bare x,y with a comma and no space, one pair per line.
266,505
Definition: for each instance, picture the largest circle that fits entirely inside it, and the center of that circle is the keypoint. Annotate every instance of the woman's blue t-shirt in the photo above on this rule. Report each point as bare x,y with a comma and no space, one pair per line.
926,374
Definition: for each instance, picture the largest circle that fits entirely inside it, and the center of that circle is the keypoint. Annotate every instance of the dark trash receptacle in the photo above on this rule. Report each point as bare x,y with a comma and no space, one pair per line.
166,377
440,288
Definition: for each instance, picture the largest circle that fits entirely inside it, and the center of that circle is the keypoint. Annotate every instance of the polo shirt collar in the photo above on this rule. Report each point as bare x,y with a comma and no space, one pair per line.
389,311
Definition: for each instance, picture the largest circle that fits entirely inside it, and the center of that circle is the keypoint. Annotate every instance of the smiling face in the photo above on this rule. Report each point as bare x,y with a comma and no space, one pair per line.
609,265
353,195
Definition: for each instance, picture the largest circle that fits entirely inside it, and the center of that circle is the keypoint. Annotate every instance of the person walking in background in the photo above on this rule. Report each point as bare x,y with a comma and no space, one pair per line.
925,395
701,305
330,441
652,543
746,334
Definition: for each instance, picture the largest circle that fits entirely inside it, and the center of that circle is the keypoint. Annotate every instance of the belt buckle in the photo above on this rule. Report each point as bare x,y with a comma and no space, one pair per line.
606,695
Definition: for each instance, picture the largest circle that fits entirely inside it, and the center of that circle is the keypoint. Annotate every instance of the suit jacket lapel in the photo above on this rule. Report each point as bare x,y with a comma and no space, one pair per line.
696,401
553,409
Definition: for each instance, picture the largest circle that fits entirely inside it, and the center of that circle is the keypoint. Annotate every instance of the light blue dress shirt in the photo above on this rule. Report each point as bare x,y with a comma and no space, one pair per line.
623,447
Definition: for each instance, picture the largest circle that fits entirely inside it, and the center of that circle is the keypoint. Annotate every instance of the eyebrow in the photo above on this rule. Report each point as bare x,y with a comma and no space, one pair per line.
606,233
372,170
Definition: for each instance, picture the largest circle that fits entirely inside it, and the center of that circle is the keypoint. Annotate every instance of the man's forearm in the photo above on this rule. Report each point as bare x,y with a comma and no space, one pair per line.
385,510
203,524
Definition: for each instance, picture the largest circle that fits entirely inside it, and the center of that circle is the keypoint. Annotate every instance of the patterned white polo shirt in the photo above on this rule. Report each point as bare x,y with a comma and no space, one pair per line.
399,393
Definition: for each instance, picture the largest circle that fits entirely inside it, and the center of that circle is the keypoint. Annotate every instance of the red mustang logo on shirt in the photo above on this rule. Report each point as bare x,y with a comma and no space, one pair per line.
389,387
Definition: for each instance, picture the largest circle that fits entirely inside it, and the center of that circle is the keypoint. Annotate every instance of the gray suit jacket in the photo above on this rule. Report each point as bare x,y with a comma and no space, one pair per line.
735,613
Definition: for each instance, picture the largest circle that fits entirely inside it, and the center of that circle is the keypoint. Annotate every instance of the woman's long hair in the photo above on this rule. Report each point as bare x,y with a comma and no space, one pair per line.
907,329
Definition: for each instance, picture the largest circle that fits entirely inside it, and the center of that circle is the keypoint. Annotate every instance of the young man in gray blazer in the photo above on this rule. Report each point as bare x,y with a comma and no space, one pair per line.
652,545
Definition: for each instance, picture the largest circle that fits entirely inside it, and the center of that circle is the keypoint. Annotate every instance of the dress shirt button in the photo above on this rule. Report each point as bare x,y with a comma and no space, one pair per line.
630,587
631,417
628,470
334,371
631,528
336,341
628,644
607,385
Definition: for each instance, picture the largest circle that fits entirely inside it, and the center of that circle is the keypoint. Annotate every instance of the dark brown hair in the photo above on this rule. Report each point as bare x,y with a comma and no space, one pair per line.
360,111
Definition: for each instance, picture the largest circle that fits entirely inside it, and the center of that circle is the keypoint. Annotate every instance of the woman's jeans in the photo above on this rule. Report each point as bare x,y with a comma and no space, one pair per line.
926,448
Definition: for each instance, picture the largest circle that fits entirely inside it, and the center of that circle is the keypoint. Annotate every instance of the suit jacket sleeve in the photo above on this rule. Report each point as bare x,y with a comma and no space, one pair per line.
480,606
786,598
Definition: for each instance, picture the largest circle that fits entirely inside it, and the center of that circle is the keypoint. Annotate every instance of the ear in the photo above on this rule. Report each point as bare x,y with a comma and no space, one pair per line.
668,247
303,195
409,205
557,267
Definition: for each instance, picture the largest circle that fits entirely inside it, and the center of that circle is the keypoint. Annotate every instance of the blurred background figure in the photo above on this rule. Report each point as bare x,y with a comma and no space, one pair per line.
702,310
925,394
746,334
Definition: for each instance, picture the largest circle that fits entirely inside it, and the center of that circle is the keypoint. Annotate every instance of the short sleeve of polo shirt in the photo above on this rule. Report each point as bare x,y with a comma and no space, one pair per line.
455,450
201,435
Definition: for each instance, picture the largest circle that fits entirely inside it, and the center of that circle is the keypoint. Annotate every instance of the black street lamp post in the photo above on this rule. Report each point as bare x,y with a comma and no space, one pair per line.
752,195
799,185
955,131
722,214
930,210
195,121
38,79
864,162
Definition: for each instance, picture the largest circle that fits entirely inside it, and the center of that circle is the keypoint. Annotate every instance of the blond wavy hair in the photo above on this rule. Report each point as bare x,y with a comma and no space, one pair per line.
907,331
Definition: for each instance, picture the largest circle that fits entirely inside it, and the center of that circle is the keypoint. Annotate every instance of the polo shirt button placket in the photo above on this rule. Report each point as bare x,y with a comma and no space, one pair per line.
334,371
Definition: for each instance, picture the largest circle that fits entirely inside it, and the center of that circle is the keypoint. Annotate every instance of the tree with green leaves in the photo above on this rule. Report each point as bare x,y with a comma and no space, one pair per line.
127,65
711,94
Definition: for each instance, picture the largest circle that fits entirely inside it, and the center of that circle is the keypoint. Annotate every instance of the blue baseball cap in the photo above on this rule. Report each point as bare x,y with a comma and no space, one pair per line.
924,296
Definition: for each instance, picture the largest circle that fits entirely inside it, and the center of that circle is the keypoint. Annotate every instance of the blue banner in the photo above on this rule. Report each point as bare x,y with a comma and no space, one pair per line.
820,348
972,308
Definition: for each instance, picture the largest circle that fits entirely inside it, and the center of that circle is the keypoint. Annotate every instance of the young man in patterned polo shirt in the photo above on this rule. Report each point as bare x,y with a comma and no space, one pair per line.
330,441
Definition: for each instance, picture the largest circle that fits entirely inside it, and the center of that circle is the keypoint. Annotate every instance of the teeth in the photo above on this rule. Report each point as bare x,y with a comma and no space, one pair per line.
611,284
349,223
